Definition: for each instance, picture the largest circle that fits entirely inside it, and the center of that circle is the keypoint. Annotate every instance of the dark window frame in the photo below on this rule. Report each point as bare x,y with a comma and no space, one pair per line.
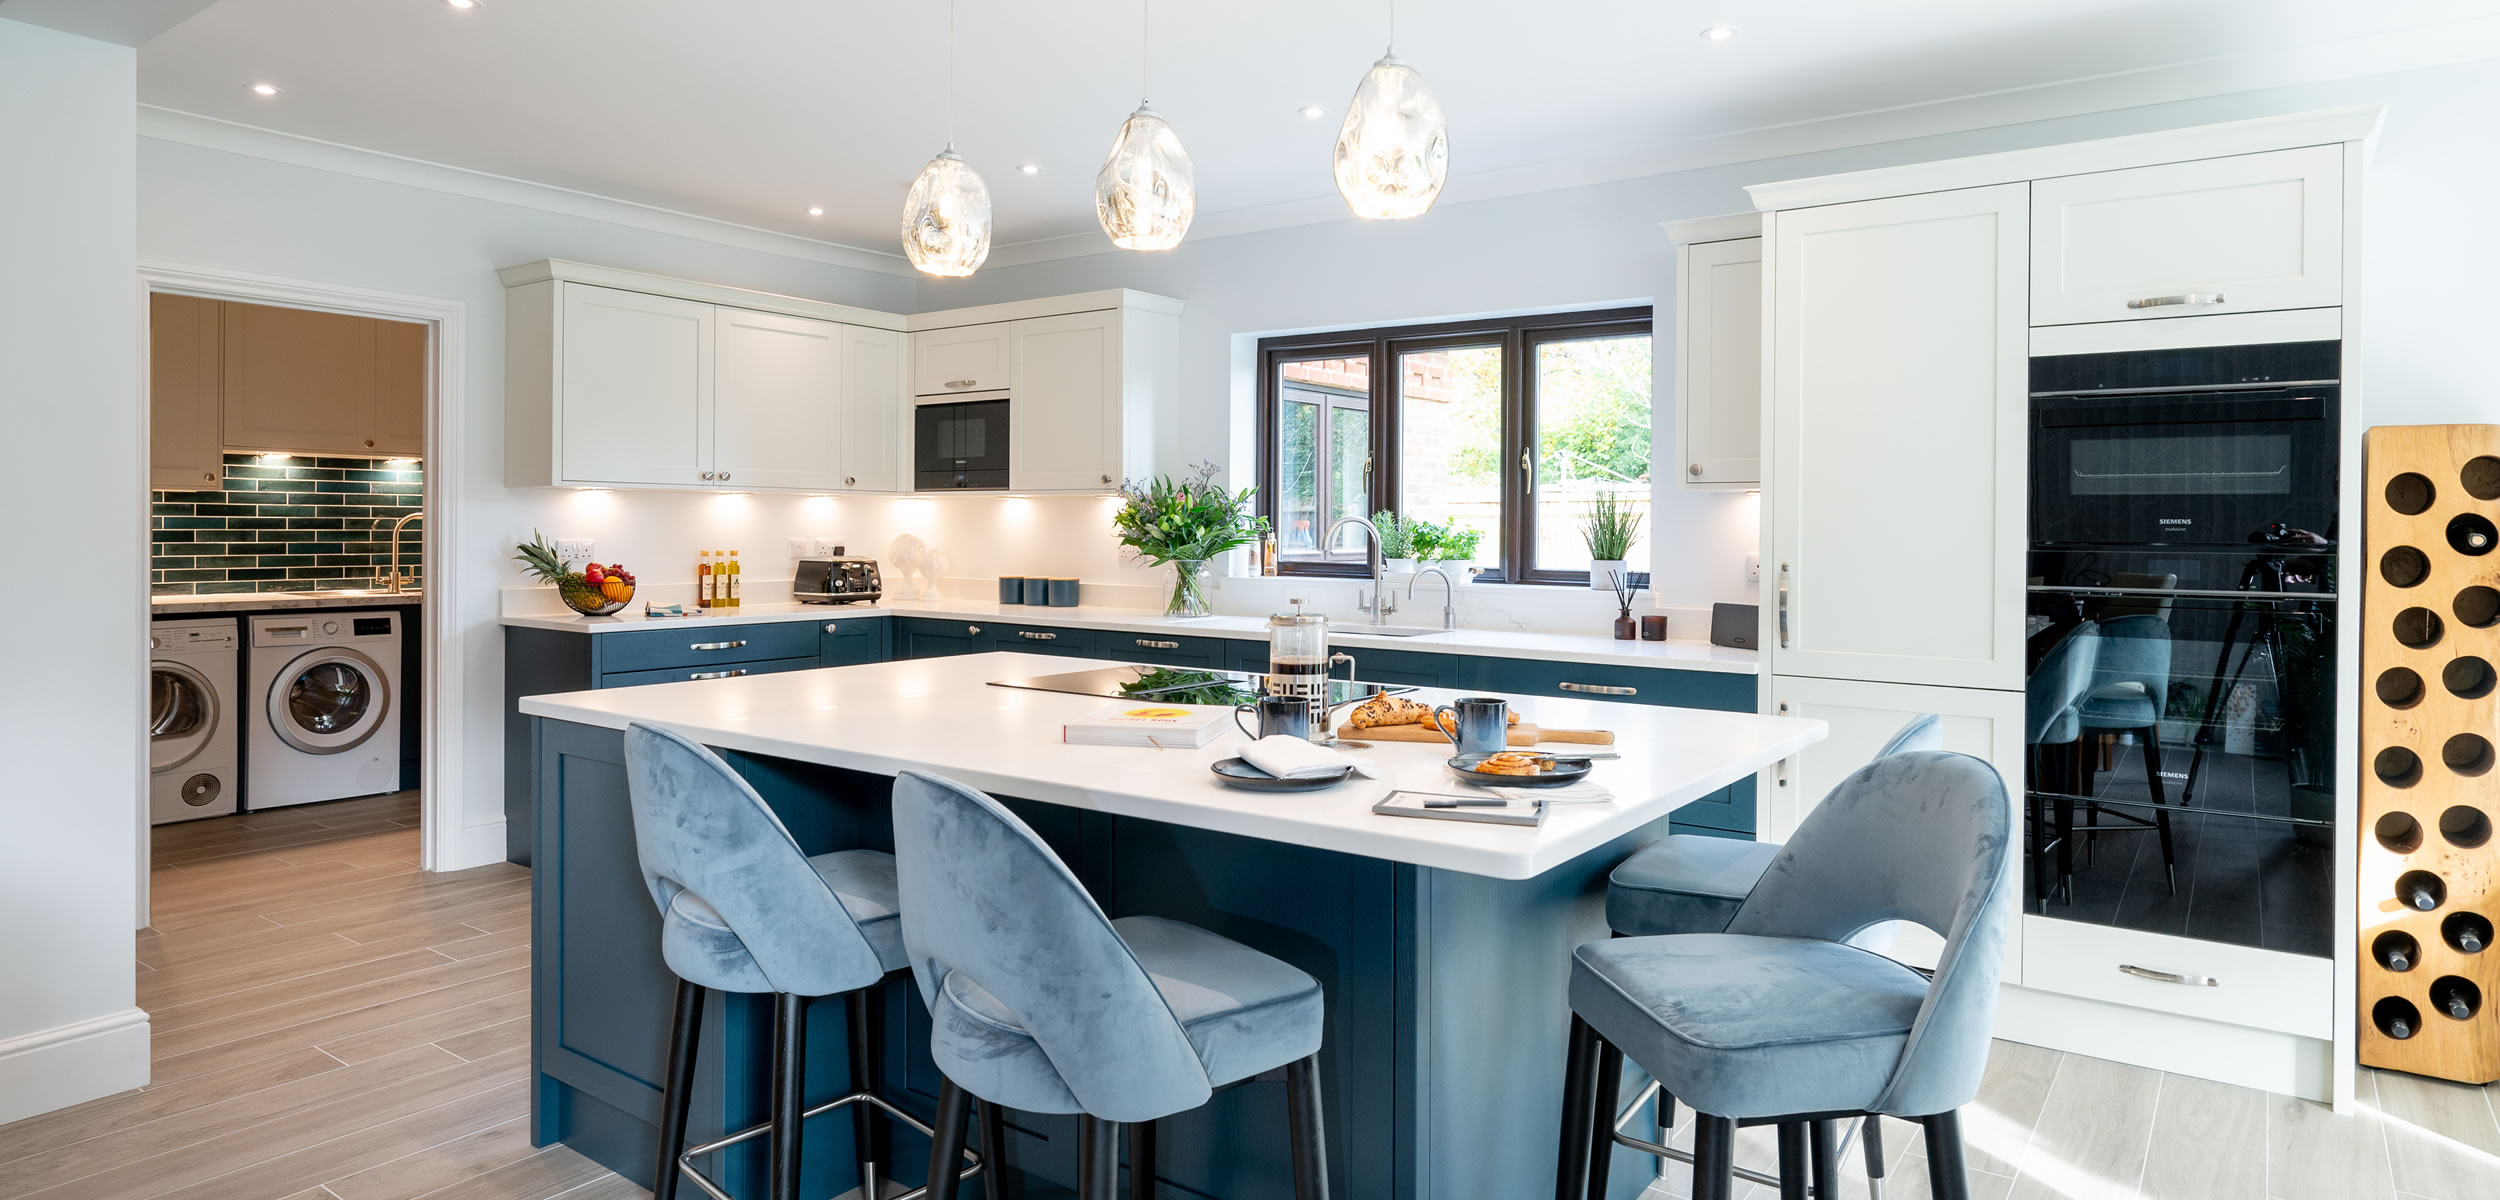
1382,347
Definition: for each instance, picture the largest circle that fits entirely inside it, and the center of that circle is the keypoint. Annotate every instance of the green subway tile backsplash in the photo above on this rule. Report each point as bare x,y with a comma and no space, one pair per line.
280,527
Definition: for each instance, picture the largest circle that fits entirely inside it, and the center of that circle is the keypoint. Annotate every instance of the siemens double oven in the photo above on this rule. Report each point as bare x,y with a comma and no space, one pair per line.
2182,620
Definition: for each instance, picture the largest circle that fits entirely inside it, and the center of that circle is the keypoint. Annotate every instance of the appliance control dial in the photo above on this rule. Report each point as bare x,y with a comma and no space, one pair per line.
330,627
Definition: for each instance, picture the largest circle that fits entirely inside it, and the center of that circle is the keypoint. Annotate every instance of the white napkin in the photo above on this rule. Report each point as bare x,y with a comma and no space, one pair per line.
1287,757
1583,792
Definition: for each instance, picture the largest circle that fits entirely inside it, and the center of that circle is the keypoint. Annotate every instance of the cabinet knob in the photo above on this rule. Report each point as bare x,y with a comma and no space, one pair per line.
724,477
969,629
830,628
1694,469
368,443
209,476
1106,479
850,481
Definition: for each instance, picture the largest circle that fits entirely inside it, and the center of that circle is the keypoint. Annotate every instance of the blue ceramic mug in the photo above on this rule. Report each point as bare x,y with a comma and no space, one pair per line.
1481,724
1289,716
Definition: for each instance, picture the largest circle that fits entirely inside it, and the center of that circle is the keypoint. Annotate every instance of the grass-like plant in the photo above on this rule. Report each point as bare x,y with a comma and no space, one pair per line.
1609,528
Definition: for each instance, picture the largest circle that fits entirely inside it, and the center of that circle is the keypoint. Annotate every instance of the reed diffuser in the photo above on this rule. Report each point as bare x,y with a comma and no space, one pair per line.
1626,585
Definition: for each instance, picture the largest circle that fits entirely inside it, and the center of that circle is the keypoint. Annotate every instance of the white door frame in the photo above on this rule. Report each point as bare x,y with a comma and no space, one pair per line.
444,741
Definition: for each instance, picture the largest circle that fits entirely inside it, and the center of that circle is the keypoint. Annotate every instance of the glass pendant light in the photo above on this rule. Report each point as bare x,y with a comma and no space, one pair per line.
946,215
1393,153
1146,192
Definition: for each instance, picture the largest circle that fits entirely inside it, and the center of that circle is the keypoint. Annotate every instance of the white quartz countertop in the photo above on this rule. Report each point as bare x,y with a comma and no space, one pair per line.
1676,655
939,714
171,606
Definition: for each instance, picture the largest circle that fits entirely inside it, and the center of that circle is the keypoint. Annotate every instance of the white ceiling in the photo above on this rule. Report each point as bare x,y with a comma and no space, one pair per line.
750,111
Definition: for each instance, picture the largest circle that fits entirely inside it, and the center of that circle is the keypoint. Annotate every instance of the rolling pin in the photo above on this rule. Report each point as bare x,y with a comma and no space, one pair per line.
1521,734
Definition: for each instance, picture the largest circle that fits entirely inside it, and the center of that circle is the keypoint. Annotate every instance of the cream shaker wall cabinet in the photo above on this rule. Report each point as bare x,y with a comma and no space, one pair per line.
299,381
186,417
1718,351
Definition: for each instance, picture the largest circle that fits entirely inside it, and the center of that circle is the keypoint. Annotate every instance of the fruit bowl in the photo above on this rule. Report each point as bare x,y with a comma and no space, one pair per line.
594,591
590,601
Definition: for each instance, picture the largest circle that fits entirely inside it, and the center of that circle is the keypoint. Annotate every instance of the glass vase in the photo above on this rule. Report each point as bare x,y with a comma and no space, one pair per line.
1189,589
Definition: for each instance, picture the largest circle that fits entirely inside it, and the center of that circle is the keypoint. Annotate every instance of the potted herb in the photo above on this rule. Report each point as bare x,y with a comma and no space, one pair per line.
1609,529
1397,542
1185,522
1438,543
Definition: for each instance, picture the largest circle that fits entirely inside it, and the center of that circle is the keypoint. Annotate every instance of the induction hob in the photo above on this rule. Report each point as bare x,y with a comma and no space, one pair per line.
1183,685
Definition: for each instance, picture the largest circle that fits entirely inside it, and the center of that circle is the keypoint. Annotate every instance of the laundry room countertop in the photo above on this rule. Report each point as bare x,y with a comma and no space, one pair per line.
186,606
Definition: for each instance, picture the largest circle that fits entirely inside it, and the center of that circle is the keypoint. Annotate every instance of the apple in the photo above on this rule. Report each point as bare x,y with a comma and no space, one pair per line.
594,575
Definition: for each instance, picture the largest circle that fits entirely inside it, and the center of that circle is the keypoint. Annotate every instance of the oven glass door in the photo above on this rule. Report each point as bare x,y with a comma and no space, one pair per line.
2207,469
961,445
2183,781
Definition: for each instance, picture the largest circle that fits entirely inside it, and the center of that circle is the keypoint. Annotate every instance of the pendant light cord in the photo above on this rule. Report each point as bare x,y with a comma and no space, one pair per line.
950,74
1145,48
1393,28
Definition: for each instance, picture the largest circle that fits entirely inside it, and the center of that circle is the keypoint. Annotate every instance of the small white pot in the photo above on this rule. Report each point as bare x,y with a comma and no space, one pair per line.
1397,566
1605,572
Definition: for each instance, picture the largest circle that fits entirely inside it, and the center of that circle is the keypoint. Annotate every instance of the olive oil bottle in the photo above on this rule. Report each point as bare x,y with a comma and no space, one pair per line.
703,580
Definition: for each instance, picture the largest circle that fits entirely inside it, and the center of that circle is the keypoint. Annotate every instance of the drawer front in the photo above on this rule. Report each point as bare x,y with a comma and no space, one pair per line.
1041,639
2249,233
1164,649
1406,667
770,666
1727,811
852,642
651,650
2263,989
922,637
1723,691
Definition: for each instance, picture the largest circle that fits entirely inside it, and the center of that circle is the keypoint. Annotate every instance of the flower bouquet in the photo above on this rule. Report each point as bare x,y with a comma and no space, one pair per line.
1185,522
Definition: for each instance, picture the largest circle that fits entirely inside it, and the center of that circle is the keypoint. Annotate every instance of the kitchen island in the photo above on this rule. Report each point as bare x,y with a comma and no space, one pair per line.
1444,946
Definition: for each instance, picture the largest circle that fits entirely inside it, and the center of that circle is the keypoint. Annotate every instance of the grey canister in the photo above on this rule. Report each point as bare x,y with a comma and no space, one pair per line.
1036,589
1011,589
1063,593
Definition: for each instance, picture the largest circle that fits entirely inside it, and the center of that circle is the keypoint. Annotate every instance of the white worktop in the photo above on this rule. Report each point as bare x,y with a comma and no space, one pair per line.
229,602
939,714
1554,647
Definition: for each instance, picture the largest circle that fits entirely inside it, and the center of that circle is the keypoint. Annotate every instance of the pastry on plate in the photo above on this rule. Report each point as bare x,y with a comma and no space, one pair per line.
1510,763
1388,710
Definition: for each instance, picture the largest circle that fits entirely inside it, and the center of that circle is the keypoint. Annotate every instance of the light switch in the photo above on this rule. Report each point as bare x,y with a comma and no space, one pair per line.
1753,568
575,551
799,548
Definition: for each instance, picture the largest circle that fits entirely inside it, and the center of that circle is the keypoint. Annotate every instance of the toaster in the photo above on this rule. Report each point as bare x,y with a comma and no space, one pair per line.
836,581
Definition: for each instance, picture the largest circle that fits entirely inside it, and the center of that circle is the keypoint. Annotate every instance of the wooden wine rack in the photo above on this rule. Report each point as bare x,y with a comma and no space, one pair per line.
2430,722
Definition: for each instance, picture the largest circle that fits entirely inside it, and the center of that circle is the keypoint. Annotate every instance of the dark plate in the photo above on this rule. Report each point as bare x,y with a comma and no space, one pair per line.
1242,775
1567,771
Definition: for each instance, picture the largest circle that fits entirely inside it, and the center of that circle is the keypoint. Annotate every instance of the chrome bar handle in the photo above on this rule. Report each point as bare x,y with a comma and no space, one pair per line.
717,645
1779,770
829,627
1151,644
718,674
1033,635
2190,298
2186,980
1783,606
1597,689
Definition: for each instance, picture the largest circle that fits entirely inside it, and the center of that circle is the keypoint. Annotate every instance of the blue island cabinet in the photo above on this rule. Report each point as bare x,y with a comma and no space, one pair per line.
1445,1021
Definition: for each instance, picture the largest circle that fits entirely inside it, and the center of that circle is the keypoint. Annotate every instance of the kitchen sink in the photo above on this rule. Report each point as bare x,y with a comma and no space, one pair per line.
334,593
1396,631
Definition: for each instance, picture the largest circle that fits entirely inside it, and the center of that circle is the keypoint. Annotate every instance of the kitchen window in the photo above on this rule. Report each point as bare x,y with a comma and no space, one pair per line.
1509,429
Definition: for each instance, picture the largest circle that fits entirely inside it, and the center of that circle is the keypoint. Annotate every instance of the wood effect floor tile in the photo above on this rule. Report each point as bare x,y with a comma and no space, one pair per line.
614,1187
97,1118
294,994
2208,1142
483,943
509,1003
323,1029
2089,1141
493,1039
2442,1139
437,1167
239,1026
551,1172
369,1145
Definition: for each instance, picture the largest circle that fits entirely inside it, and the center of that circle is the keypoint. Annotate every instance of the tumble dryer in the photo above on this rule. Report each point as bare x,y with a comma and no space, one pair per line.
194,669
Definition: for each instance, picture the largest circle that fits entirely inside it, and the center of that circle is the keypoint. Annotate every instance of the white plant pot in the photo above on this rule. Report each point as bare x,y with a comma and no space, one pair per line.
1397,566
1605,572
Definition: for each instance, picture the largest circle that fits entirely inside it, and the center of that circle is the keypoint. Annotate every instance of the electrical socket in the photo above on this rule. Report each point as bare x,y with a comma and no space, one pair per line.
827,547
573,552
799,548
1753,568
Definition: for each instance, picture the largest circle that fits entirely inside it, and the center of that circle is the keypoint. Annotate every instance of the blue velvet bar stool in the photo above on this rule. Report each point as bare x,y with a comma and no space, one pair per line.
2053,738
1694,883
1039,1002
1780,1021
2129,694
743,909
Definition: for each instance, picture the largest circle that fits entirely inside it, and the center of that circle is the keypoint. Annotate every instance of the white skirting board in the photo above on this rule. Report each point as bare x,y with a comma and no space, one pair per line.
71,1064
2257,1058
479,843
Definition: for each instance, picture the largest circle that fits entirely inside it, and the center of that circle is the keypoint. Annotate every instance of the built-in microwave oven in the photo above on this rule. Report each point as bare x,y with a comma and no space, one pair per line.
959,444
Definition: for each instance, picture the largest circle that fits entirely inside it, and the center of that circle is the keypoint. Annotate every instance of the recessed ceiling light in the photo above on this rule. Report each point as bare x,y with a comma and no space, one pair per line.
1030,168
265,89
815,210
461,4
1718,33
1312,111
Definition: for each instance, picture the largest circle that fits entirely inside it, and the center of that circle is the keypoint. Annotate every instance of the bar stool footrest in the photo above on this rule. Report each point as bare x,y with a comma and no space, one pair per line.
976,1160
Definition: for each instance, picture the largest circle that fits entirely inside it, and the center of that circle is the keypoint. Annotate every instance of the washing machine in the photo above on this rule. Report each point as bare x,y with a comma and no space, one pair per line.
325,689
194,669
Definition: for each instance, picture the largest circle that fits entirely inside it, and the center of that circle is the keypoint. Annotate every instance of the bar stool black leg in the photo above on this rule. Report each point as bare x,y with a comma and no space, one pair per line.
1141,1161
993,1151
1948,1177
2161,813
1303,1119
1871,1134
1608,1084
867,1131
1823,1140
1097,1159
1714,1157
1792,1138
789,1087
684,1027
946,1146
1571,1146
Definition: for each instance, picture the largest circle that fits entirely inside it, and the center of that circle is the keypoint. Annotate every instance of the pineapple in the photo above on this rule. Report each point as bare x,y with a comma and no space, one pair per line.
540,560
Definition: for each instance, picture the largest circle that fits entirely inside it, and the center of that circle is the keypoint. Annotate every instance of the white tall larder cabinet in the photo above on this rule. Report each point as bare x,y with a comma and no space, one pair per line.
635,403
1893,495
777,413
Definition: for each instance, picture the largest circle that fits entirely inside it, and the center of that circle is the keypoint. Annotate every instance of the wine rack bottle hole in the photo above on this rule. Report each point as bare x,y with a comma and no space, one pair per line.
2419,628
2411,493
2478,607
2464,826
2467,754
2467,678
2456,997
2421,891
2396,950
2396,1017
2481,478
2397,767
2399,687
2472,533
2465,932
2399,832
2404,566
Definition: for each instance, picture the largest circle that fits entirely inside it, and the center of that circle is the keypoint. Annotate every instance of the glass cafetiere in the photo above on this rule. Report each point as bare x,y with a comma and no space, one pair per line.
1298,662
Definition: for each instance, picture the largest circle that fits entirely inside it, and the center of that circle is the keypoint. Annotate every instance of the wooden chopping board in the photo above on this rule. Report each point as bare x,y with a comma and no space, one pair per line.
1522,734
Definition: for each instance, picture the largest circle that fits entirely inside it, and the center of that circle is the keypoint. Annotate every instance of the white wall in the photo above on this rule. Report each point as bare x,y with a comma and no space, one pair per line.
71,702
